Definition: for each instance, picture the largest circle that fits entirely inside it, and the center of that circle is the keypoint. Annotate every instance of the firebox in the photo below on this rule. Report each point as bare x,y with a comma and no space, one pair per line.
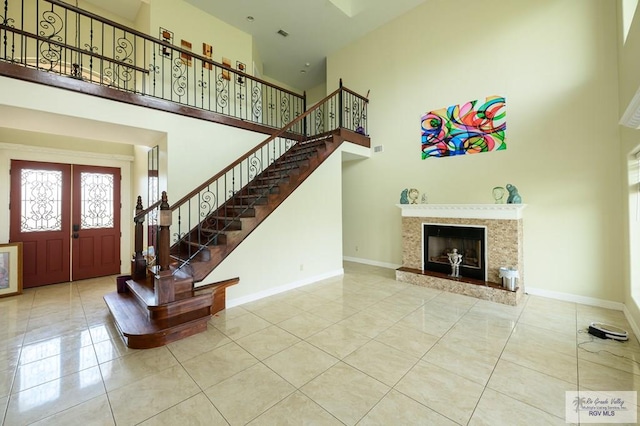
470,241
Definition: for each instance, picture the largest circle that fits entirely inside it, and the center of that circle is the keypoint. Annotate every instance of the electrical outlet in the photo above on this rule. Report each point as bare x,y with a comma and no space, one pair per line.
302,267
357,248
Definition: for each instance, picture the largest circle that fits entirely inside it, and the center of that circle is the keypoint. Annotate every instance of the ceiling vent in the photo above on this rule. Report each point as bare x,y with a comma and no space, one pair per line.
283,33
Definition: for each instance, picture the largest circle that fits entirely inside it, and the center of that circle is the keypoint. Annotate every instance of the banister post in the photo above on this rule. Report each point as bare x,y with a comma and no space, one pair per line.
138,262
163,283
164,220
340,106
304,109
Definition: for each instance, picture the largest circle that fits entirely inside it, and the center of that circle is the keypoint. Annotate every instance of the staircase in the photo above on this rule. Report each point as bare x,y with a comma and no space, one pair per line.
164,303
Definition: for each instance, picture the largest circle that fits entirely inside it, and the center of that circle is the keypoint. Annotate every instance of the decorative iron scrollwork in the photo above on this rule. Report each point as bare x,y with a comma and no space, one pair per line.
179,69
319,117
208,203
51,25
284,110
255,166
357,115
256,102
121,75
222,91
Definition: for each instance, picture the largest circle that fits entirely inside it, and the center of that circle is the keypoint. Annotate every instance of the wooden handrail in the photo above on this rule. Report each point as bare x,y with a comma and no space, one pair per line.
146,211
351,92
163,43
280,132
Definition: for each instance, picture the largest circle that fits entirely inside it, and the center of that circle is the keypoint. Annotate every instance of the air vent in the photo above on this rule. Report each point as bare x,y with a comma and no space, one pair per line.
283,33
378,148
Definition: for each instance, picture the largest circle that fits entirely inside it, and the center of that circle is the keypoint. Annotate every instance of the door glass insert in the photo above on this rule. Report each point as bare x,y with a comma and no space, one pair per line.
41,199
96,200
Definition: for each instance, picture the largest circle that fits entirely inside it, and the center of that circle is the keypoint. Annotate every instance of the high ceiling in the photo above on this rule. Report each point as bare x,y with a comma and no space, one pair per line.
316,28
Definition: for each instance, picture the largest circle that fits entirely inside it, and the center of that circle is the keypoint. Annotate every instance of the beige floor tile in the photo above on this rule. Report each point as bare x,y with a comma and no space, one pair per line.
398,409
95,412
300,363
228,314
131,368
525,334
531,387
545,305
437,388
408,340
381,362
425,320
333,311
198,344
345,392
295,410
306,301
241,326
543,359
145,398
560,322
6,381
55,345
305,325
600,377
390,310
487,345
497,409
54,367
219,364
462,360
46,332
101,332
248,394
9,358
197,410
612,353
338,340
109,350
276,313
53,397
264,343
367,324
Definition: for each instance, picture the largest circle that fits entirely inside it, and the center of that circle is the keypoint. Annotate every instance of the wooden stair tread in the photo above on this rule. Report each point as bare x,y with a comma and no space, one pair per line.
141,332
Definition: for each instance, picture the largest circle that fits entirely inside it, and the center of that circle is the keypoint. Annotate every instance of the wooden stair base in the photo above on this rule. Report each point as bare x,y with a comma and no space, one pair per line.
143,324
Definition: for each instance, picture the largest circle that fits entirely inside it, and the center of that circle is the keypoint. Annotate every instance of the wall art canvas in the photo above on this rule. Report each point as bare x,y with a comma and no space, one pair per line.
167,37
207,52
469,128
186,58
225,73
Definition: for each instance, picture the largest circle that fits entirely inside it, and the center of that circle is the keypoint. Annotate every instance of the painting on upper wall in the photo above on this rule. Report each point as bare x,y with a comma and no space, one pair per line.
469,128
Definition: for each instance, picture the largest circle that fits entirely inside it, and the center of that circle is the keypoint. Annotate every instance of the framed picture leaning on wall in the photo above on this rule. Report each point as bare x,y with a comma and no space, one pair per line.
10,269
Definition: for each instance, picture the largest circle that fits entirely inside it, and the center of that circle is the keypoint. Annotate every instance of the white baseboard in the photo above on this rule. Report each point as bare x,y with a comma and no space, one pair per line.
567,297
280,289
371,262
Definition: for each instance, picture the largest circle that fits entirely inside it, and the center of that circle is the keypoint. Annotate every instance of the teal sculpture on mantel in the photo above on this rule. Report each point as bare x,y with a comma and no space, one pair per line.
514,196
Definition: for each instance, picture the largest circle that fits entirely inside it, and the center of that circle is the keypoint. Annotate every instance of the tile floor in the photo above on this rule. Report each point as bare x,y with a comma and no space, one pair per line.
359,349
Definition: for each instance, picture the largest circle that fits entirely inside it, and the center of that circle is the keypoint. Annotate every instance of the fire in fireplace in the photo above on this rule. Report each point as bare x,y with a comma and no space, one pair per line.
470,241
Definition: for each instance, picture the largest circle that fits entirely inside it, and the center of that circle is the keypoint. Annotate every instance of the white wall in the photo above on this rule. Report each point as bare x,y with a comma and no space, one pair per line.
555,62
300,242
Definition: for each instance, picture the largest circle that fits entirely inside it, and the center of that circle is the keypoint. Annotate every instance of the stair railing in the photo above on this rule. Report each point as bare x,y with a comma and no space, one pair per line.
204,214
54,36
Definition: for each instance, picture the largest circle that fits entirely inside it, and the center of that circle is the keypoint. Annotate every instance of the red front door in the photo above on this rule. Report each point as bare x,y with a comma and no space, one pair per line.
67,217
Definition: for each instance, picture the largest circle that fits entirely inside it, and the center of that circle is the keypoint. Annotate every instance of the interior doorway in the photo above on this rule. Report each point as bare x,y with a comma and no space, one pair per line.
68,218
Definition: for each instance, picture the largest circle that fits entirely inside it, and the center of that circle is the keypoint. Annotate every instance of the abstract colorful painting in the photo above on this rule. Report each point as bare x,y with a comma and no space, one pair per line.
468,128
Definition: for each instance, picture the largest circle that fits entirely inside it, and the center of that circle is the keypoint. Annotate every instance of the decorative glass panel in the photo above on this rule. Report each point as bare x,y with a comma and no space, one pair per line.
41,200
96,200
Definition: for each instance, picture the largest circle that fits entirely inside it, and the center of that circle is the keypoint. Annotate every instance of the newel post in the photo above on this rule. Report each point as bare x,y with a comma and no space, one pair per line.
138,262
163,284
340,108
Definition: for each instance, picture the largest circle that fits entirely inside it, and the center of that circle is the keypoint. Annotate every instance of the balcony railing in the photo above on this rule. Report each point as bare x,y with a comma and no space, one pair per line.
56,37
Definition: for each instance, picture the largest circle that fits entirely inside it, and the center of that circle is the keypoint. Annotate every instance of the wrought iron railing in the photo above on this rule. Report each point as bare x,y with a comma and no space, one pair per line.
212,209
54,36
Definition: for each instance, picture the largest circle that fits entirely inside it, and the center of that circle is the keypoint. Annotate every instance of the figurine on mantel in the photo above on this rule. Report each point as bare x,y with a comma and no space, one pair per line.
514,196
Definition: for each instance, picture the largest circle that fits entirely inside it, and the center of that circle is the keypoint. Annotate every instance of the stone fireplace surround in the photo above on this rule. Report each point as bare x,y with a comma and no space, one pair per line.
504,247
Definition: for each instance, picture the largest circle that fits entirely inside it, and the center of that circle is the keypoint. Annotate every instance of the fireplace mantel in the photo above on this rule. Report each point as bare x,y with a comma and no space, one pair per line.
464,211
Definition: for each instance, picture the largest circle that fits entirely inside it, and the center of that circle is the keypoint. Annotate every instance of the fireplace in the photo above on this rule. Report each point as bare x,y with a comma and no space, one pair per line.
438,240
500,245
